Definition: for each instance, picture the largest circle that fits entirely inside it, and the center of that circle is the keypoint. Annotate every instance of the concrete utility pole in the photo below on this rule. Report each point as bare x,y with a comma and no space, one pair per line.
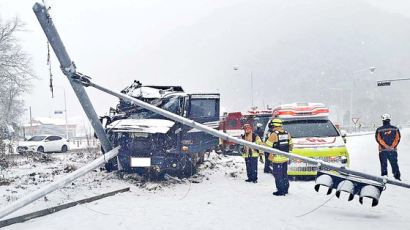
61,182
69,69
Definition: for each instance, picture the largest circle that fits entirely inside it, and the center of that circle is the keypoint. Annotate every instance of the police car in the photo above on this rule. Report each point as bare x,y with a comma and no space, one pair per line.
313,135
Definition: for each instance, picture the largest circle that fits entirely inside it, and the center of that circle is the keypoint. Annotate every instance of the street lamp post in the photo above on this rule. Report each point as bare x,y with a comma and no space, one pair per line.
371,71
342,102
65,114
65,110
252,89
251,76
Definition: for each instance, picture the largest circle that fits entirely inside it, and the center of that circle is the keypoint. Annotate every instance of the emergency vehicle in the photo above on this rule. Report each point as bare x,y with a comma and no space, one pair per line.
313,135
232,124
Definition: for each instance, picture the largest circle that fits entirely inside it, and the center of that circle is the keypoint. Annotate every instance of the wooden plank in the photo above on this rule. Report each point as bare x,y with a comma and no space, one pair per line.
47,211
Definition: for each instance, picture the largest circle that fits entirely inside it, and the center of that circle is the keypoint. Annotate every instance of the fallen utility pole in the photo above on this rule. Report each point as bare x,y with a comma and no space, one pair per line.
47,211
321,164
58,183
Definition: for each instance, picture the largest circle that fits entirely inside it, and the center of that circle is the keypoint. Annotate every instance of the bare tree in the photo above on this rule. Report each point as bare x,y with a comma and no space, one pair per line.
15,72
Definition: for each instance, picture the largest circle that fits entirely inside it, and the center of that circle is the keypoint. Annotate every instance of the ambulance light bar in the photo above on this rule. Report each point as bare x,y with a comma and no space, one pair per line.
298,110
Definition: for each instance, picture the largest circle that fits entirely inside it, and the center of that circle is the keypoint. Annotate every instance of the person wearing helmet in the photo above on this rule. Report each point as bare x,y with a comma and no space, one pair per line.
281,140
251,155
259,131
388,137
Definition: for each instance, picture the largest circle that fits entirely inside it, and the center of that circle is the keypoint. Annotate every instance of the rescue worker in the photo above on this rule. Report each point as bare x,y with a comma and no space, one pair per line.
388,137
259,131
281,140
251,155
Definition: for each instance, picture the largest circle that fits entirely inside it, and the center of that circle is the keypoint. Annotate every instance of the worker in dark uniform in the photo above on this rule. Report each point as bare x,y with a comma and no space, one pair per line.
251,155
281,140
259,131
388,137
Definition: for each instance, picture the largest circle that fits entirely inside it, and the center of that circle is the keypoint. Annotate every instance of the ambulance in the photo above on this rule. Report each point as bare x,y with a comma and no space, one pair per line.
313,135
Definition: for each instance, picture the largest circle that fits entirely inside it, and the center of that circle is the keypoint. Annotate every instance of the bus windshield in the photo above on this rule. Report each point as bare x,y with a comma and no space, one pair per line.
171,104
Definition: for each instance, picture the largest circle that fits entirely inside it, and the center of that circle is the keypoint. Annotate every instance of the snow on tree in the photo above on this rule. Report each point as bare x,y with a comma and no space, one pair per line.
15,72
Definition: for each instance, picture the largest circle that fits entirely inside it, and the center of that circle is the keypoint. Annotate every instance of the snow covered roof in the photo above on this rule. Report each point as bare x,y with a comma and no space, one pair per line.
141,125
46,121
150,92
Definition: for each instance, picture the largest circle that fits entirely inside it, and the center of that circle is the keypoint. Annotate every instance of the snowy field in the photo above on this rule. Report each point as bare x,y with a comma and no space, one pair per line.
218,198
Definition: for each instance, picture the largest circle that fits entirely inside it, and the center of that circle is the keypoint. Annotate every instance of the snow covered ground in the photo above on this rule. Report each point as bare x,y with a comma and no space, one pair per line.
221,199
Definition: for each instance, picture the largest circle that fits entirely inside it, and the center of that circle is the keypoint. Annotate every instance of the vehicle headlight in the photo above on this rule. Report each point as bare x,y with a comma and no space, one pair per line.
343,159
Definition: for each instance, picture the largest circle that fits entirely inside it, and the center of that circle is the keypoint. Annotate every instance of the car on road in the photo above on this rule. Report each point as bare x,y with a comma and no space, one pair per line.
43,143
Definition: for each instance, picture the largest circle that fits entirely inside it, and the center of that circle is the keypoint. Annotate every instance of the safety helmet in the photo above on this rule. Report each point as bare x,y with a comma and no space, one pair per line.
386,117
276,122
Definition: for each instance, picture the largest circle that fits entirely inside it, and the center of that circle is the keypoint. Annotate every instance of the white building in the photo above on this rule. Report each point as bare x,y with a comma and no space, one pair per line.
47,125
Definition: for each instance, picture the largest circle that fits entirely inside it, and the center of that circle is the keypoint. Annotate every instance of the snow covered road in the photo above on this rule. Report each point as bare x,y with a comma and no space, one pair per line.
224,201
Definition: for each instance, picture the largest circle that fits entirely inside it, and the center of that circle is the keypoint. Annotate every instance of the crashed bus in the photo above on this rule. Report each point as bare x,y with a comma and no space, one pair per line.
152,143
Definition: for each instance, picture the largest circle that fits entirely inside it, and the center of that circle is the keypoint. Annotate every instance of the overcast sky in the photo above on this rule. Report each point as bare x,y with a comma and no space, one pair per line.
116,42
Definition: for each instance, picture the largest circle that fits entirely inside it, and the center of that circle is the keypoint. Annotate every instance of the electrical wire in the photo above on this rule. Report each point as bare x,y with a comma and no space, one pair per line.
313,210
321,205
84,205
190,184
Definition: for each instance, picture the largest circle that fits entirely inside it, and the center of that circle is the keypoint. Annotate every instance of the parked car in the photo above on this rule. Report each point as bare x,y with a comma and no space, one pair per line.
43,143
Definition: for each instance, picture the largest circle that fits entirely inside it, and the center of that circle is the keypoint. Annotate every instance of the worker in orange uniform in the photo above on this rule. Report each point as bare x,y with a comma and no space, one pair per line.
388,137
281,140
251,155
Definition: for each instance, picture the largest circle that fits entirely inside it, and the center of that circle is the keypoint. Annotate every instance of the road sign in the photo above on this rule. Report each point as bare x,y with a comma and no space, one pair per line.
355,120
383,83
58,112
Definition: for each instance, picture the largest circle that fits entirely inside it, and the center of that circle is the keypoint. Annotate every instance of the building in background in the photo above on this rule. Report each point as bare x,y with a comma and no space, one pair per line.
52,126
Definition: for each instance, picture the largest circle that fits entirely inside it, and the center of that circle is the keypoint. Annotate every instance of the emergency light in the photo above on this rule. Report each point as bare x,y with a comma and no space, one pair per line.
301,110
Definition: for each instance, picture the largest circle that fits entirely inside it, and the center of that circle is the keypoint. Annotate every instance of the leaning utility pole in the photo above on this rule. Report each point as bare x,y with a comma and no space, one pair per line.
69,69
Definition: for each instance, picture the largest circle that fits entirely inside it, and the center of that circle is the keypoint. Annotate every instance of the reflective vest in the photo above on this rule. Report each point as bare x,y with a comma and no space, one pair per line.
255,153
279,139
388,136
